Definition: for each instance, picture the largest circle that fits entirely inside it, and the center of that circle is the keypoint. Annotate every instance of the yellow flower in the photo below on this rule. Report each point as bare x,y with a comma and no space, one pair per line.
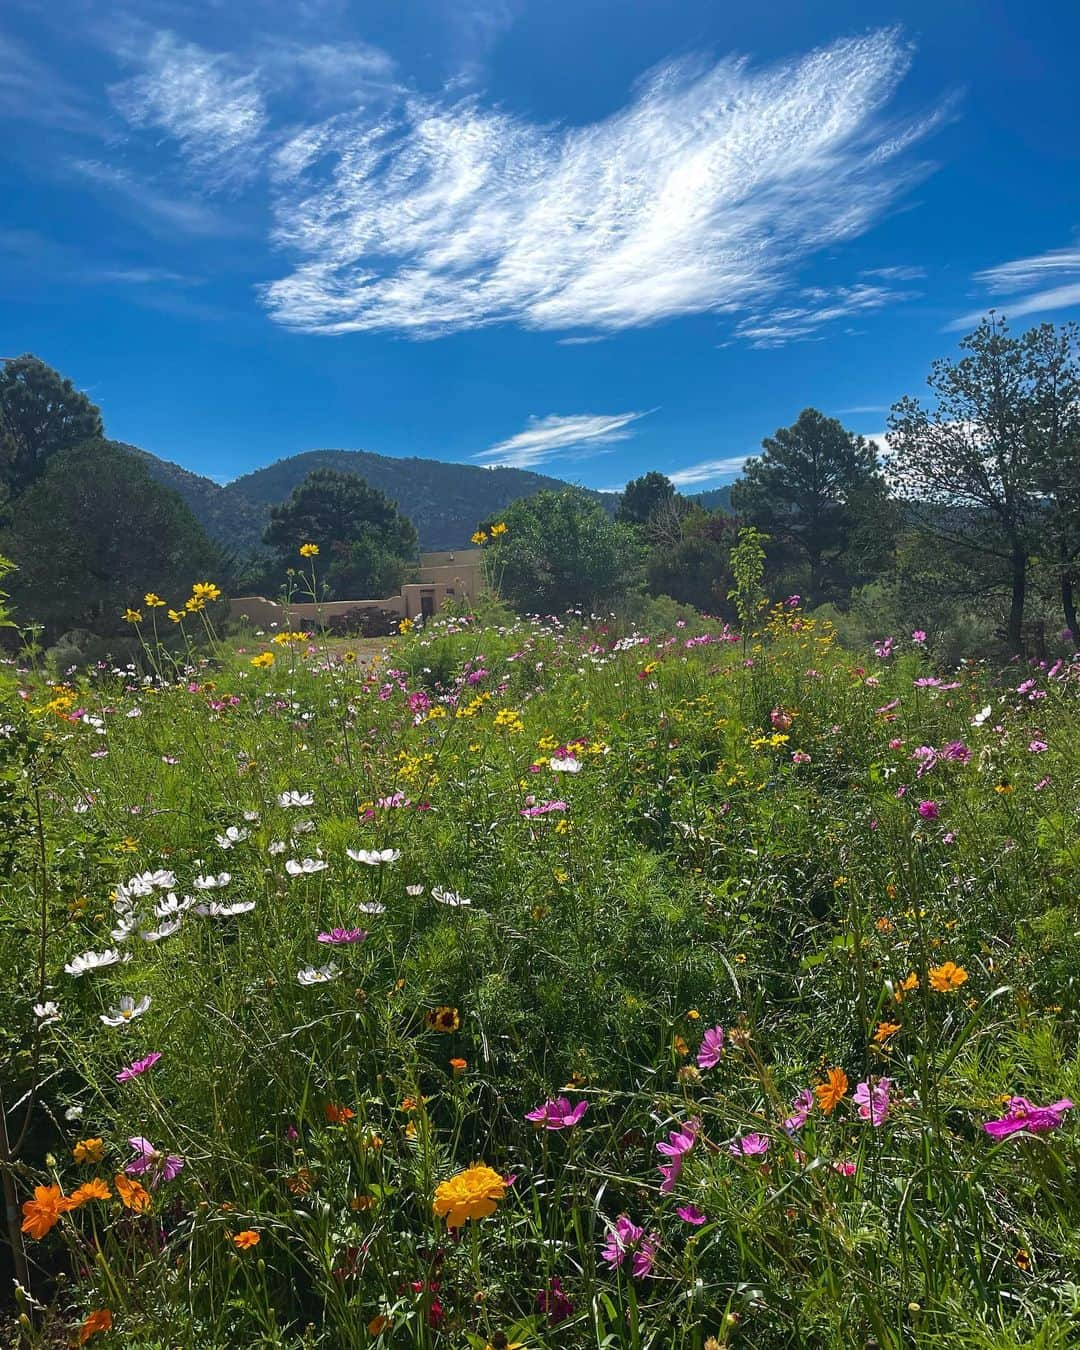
405,626
152,601
500,1341
443,1019
177,615
205,590
947,978
479,537
194,604
264,660
132,616
908,985
472,1194
831,1093
498,529
309,550
89,1151
248,1238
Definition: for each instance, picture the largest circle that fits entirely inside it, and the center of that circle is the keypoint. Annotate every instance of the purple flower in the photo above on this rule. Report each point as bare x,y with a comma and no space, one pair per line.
800,1109
622,1238
542,809
670,1172
712,1045
918,636
557,1114
680,1141
554,1302
929,810
155,1166
958,751
641,1263
1037,747
1022,1115
140,1066
691,1214
340,935
872,1099
749,1146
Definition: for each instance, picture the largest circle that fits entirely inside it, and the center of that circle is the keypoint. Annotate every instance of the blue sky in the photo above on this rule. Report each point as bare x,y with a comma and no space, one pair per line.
587,237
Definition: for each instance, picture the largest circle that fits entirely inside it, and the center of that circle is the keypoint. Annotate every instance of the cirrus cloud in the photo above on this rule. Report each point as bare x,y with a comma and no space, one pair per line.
547,437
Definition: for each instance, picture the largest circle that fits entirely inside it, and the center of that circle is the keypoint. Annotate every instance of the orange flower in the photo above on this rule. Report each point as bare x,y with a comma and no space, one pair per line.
99,1320
831,1093
248,1238
378,1324
885,1030
133,1194
471,1194
95,1189
89,1151
947,978
884,924
359,1203
338,1115
681,1048
906,986
459,1066
443,1019
42,1214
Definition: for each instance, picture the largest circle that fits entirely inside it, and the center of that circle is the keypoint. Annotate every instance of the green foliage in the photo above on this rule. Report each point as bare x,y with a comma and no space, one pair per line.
93,533
643,496
561,550
748,571
368,545
41,413
693,564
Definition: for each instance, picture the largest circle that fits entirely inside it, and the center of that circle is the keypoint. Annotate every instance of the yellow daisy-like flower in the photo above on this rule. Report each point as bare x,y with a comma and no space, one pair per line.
152,601
947,978
498,529
479,537
405,626
206,590
472,1194
264,660
132,616
177,615
309,550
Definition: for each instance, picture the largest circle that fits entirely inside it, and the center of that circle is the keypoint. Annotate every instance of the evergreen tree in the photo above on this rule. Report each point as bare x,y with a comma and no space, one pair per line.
41,413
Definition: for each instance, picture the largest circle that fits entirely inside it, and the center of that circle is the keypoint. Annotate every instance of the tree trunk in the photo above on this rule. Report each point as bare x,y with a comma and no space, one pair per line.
1014,634
1068,606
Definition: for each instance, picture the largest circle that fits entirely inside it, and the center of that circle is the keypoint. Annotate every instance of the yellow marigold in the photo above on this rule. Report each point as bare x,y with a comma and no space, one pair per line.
907,986
947,978
89,1151
248,1238
831,1093
152,601
98,1320
442,1019
133,1194
309,550
264,660
472,1194
132,616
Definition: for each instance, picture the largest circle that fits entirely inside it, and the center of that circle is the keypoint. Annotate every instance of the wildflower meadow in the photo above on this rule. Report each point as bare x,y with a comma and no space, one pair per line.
541,983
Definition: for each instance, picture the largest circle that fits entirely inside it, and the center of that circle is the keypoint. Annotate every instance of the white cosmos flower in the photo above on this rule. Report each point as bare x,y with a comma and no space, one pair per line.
172,905
127,925
47,1013
305,867
163,930
127,1011
278,846
317,974
235,834
374,856
371,907
568,765
450,898
982,715
216,910
303,827
79,965
414,890
211,882
251,817
296,799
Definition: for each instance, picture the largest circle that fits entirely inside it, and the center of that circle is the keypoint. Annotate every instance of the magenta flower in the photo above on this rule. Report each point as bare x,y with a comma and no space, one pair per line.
1037,747
670,1173
846,1169
641,1263
872,1099
918,636
557,1114
337,936
929,810
139,1066
554,1302
622,1239
712,1045
749,1146
155,1166
691,1214
1022,1115
542,809
800,1109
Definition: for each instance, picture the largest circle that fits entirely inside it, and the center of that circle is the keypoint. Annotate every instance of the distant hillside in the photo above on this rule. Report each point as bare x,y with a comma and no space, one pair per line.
444,501
716,499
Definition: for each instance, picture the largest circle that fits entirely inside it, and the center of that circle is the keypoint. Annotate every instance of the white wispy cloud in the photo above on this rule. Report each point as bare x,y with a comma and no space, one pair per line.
693,475
214,112
31,91
800,322
547,437
156,205
863,408
1050,272
900,273
702,194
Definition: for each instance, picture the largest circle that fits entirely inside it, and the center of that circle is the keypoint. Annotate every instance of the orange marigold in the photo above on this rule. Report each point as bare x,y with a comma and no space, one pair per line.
471,1194
947,978
831,1093
99,1320
133,1194
42,1214
248,1238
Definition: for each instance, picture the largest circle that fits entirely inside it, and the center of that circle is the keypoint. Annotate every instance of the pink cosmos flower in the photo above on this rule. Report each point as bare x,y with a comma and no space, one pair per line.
554,1302
139,1066
712,1045
846,1169
622,1238
542,809
872,1099
749,1146
929,810
1037,747
1023,1116
918,636
155,1166
336,936
800,1109
557,1114
800,757
691,1214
